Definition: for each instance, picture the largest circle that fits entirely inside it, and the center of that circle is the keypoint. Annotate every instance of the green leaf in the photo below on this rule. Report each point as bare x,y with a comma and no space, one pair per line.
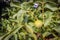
14,5
16,37
51,7
29,29
46,34
57,29
8,28
19,13
48,20
9,34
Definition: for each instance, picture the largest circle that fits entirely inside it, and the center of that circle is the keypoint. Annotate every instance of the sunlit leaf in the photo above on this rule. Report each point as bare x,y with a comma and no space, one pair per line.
48,20
51,7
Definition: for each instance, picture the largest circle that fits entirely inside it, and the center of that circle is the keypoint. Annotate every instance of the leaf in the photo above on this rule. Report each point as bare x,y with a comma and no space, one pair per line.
57,29
9,34
51,7
8,27
46,34
16,37
29,29
19,13
57,21
34,36
14,5
31,24
48,20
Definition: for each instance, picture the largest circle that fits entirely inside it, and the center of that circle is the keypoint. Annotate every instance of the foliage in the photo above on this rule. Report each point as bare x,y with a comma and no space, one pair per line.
24,19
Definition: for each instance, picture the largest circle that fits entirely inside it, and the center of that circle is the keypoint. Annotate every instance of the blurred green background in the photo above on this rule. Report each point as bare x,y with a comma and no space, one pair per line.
30,20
